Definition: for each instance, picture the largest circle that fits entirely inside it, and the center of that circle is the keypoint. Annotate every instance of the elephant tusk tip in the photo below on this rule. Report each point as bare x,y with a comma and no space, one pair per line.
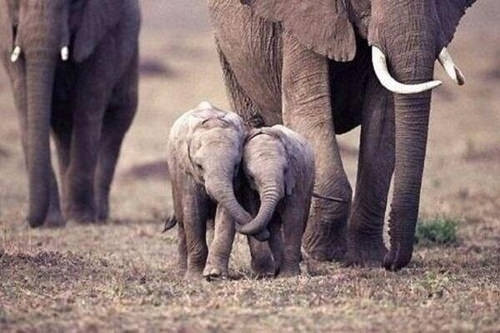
15,54
65,53
460,77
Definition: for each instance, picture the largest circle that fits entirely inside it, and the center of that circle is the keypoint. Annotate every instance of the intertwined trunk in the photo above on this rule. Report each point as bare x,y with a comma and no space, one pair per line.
220,186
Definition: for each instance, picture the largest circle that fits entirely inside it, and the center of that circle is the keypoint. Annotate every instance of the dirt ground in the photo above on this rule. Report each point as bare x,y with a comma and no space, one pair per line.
121,276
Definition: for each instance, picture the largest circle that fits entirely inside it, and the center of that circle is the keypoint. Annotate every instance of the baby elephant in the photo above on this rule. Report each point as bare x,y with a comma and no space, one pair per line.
204,153
278,172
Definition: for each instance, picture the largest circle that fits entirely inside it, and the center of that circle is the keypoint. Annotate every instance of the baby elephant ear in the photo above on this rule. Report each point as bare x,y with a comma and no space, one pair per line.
450,12
322,26
98,17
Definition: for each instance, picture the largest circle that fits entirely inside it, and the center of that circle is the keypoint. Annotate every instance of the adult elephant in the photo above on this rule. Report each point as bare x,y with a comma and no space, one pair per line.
308,65
73,69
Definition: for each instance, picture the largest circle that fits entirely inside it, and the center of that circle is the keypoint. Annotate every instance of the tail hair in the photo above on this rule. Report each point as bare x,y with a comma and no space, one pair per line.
170,222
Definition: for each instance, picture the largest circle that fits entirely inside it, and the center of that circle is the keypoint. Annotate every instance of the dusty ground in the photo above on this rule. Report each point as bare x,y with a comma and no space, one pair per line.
121,276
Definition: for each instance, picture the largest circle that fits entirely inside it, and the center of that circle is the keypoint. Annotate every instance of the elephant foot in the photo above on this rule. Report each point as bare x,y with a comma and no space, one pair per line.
214,272
82,216
54,219
366,251
288,271
102,211
399,255
325,244
325,235
193,275
263,267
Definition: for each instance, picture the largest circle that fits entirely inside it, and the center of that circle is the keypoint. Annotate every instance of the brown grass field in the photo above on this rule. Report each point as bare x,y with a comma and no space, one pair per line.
121,276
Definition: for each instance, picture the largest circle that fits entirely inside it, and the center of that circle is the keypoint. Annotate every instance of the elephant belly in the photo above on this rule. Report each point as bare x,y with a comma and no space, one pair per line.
253,49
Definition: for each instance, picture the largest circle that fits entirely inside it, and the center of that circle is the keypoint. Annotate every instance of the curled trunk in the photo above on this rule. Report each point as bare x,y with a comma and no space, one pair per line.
269,200
222,190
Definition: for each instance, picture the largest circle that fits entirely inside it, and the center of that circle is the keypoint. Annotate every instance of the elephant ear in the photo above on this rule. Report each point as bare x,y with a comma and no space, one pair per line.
322,26
97,18
450,12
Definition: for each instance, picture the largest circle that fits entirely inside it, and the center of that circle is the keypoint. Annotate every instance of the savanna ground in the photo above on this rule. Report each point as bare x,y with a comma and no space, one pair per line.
121,276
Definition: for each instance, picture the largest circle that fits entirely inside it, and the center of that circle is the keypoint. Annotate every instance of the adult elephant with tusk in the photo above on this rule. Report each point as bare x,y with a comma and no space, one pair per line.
324,67
73,66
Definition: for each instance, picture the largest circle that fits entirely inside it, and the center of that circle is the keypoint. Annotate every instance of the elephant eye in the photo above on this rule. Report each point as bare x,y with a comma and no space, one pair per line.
198,166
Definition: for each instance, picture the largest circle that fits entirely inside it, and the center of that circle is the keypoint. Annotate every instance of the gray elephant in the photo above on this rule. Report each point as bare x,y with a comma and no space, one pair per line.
204,153
324,67
278,180
73,66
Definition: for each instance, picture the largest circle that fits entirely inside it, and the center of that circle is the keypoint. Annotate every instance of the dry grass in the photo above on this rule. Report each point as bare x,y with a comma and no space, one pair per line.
122,276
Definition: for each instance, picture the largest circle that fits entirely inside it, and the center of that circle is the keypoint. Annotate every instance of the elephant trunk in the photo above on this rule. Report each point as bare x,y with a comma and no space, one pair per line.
40,77
221,188
411,65
269,198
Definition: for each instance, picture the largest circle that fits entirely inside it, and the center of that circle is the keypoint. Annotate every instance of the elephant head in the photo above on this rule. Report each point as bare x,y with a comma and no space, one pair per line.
269,171
35,35
406,36
212,144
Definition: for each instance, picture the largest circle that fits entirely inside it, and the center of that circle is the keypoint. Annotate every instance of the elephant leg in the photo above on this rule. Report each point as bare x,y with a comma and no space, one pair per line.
375,169
276,242
240,102
62,124
293,218
261,261
88,116
181,247
195,216
221,246
261,258
307,110
116,123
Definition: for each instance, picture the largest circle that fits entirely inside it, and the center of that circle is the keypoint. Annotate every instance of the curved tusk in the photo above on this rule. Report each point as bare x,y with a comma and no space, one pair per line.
65,53
449,66
380,66
15,54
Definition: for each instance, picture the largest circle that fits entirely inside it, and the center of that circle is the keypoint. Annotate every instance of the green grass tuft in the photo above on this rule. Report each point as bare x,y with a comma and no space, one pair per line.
437,231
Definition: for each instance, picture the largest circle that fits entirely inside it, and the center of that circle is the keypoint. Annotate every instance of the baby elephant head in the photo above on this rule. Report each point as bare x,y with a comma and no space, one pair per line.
267,167
214,152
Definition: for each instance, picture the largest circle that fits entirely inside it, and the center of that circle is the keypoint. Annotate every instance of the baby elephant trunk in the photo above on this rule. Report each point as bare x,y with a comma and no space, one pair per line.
270,197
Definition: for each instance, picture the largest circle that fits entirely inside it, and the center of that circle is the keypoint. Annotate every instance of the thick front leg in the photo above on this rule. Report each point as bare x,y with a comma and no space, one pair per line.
375,168
92,96
221,246
307,109
117,121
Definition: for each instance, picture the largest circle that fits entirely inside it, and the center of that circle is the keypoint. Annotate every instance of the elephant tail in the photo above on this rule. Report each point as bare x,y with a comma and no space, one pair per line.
170,222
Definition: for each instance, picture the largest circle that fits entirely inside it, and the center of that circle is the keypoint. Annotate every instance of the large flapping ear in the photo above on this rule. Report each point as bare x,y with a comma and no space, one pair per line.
6,28
98,17
450,12
322,26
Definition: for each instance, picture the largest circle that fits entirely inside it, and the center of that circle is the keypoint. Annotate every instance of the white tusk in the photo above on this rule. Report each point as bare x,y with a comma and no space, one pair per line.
449,66
380,66
64,53
15,54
